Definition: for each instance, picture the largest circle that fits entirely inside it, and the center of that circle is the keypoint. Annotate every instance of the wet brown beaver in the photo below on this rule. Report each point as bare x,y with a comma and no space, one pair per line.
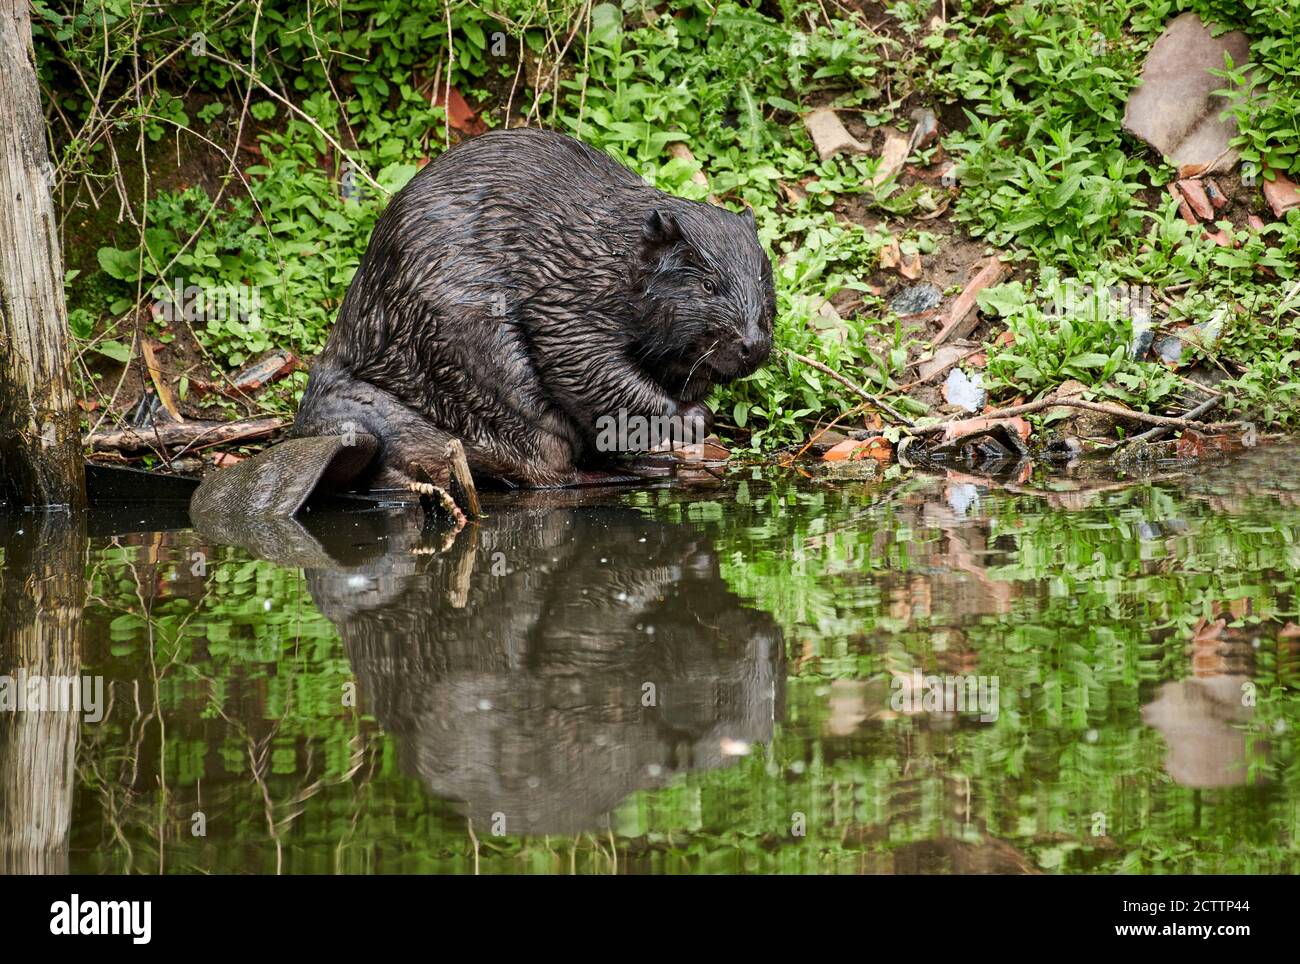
517,291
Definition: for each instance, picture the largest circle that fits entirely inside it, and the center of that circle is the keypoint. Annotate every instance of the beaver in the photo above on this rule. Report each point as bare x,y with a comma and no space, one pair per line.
517,294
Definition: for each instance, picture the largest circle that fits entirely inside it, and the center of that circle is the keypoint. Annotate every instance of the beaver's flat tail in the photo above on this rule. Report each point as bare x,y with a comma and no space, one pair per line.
280,480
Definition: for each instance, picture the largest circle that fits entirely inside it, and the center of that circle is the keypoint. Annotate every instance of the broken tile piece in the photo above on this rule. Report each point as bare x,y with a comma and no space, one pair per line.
1197,199
943,359
1184,209
962,317
1173,108
829,134
1282,194
892,157
1217,198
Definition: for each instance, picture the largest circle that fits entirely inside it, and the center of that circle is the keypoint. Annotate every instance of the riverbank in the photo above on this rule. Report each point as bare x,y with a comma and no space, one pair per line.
959,221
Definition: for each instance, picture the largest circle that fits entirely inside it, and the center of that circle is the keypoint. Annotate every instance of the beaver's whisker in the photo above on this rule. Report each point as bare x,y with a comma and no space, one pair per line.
687,380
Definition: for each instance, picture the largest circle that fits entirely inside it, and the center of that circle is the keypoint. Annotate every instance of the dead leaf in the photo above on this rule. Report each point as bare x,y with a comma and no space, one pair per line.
793,193
679,150
852,450
459,114
890,256
1208,632
159,383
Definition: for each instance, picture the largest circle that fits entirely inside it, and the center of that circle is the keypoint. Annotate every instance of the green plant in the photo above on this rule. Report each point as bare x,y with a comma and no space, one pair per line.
1265,96
1066,329
1042,164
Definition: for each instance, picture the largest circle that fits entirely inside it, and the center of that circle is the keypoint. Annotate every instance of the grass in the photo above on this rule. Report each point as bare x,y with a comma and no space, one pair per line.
1035,90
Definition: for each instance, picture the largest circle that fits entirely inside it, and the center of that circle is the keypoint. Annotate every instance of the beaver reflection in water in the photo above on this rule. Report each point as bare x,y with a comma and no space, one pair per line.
518,289
559,657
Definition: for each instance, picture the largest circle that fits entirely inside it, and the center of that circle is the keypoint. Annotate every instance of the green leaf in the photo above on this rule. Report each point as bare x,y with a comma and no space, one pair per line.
122,265
395,176
114,350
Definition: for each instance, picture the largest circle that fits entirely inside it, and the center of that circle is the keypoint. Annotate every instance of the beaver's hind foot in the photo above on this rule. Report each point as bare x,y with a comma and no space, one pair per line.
422,485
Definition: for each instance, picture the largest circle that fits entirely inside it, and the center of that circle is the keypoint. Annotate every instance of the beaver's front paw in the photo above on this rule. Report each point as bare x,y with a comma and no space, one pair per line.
697,419
688,424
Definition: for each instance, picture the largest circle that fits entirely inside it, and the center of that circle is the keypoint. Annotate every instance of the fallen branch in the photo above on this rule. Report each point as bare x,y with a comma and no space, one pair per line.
1160,431
856,389
190,435
1117,411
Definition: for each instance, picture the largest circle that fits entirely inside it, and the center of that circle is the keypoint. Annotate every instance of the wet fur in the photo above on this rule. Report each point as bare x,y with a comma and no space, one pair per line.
521,286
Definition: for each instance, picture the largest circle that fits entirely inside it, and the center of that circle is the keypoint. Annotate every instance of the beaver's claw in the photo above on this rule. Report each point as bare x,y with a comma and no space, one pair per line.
430,490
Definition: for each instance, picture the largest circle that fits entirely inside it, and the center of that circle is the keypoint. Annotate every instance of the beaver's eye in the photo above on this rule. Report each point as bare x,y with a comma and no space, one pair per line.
708,286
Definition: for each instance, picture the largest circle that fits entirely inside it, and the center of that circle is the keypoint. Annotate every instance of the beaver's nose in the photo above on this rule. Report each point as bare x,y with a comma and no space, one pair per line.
755,344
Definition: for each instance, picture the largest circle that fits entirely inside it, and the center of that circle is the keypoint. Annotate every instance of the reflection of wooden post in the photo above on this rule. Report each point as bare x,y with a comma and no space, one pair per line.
42,593
40,444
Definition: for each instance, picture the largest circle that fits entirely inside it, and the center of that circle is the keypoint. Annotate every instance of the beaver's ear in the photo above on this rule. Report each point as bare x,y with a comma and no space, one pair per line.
749,217
660,227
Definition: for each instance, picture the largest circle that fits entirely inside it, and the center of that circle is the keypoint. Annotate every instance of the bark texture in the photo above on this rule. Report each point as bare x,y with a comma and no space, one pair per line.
40,447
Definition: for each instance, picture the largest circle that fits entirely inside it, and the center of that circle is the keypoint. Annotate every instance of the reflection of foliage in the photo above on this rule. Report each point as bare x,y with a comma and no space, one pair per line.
1080,603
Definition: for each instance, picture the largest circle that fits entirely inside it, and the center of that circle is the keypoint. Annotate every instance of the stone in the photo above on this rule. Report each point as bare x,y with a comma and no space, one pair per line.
829,134
916,300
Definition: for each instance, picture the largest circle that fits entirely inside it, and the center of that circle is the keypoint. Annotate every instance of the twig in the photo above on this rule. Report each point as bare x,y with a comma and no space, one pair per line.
822,431
461,473
856,389
1160,431
356,166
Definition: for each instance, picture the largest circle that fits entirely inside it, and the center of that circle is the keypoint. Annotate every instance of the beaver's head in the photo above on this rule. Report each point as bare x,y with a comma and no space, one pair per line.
708,297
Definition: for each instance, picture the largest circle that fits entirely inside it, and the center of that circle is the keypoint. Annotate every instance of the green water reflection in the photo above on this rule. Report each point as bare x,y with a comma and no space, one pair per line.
692,680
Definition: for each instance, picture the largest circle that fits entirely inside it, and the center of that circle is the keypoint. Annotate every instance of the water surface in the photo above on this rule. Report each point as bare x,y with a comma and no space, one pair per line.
737,677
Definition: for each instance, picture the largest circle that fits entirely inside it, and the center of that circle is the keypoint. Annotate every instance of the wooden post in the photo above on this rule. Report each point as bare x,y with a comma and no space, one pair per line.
41,461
